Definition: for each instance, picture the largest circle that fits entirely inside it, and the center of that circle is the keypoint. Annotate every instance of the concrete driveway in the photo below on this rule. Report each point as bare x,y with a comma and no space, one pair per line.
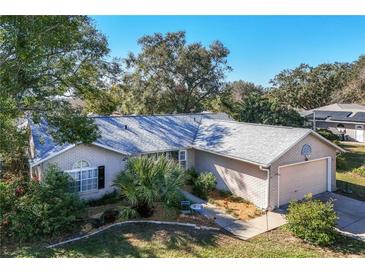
351,214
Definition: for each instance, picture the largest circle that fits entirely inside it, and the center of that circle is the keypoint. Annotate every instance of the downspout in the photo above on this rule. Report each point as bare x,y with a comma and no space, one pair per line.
267,169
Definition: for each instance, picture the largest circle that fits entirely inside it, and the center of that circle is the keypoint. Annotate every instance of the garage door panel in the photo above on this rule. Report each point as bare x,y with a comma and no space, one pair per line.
300,179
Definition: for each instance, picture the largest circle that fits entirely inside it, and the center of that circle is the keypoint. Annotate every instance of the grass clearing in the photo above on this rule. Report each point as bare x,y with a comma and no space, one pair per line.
348,182
148,240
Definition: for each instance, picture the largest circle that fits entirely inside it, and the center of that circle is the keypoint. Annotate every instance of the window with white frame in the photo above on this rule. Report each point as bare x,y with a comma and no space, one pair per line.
182,158
85,177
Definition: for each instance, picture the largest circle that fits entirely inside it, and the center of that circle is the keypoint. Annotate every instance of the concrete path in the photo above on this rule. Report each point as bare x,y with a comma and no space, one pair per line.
351,214
242,229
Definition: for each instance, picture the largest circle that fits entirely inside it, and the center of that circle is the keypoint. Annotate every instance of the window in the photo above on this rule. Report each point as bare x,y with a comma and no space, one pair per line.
85,177
182,158
80,164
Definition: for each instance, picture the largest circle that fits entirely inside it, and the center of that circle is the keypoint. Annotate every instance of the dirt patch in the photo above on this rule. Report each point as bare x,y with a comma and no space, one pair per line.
233,205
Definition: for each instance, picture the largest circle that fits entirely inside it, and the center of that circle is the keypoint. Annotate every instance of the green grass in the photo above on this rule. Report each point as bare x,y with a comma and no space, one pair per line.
348,181
140,240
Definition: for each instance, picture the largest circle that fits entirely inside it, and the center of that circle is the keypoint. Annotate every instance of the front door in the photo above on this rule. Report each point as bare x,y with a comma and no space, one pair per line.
359,133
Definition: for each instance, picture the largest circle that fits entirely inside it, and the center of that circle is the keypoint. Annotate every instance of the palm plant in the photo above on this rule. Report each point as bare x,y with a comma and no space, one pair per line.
147,180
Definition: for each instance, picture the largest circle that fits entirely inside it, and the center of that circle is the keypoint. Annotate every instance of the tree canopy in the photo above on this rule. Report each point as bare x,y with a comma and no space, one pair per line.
171,76
354,90
46,61
308,87
257,108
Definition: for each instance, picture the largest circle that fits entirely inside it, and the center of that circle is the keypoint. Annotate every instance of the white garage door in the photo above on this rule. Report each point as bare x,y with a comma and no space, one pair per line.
297,180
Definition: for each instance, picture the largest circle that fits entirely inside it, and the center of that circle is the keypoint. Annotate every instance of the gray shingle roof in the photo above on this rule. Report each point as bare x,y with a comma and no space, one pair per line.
130,135
337,112
143,133
260,144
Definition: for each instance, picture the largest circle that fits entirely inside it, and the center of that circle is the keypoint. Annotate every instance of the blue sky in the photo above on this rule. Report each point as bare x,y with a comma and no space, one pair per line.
260,46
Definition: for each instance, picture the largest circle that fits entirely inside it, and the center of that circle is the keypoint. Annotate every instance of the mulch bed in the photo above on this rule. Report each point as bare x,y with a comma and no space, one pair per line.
235,206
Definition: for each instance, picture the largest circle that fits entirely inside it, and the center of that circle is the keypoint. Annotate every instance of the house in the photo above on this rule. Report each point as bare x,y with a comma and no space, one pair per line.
267,165
345,120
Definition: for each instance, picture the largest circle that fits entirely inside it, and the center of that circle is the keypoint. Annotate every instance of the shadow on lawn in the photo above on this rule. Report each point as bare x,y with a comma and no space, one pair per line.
138,241
351,190
348,245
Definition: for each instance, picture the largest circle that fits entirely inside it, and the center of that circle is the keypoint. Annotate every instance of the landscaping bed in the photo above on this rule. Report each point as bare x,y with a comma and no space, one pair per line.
233,205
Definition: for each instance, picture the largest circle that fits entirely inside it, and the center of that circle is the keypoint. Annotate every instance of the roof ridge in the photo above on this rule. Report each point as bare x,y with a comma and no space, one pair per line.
155,115
258,124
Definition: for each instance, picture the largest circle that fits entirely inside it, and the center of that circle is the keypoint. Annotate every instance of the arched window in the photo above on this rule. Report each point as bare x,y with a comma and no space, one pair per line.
80,164
85,177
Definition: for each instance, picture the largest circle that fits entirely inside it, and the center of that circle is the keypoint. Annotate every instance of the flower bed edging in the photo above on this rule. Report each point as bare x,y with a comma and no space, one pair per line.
134,222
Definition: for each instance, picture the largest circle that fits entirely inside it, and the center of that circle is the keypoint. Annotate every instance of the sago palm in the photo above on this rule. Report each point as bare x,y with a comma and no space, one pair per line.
149,179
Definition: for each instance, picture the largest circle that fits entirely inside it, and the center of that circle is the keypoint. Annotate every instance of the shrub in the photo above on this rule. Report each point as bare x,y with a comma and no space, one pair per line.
341,163
359,171
203,184
329,135
312,220
191,176
147,180
30,210
108,198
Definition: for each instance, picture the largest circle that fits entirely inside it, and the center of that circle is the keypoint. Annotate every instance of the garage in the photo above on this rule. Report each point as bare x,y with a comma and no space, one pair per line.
296,180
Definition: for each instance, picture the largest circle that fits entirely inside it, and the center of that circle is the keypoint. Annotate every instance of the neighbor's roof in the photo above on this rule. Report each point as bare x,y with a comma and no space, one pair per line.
254,143
129,135
338,112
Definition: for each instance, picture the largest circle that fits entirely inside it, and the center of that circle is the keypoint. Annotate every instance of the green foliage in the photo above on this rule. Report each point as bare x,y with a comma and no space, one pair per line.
354,91
47,62
229,100
34,209
171,76
309,87
329,135
359,171
147,180
313,221
108,198
191,176
341,162
257,108
205,183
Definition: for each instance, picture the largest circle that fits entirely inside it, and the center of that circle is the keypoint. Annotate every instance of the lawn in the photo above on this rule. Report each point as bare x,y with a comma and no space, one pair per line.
139,240
348,182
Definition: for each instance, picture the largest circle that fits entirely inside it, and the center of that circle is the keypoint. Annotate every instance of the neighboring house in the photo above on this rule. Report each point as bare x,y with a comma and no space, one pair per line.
345,120
267,165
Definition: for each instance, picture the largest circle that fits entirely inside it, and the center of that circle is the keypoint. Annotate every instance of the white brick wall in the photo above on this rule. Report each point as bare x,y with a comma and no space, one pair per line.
96,156
242,179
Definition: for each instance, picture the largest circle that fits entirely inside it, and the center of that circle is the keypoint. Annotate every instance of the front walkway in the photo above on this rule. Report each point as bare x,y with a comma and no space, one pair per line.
241,229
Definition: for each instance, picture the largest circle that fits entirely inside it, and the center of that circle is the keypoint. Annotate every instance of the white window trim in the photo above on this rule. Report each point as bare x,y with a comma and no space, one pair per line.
81,179
88,164
185,159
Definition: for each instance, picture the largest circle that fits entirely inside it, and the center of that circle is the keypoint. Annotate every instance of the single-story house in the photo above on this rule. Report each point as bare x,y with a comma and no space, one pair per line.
267,165
345,120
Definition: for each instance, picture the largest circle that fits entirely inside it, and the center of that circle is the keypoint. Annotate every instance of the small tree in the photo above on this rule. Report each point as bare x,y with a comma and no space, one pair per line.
33,209
203,184
312,220
147,180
